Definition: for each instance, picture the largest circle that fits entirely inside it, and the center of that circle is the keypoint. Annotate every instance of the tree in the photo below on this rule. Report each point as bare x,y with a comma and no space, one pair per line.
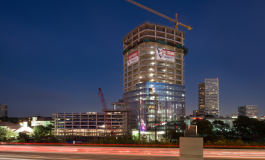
2,133
204,127
143,139
9,119
243,126
219,128
53,139
183,126
40,131
246,127
37,140
172,135
126,139
10,133
23,137
108,140
49,129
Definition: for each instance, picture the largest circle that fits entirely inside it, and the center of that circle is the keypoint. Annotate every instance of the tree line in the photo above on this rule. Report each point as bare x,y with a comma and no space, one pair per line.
244,128
244,131
39,134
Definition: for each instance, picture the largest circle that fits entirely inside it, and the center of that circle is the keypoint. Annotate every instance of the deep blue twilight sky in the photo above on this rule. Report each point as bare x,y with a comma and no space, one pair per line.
55,54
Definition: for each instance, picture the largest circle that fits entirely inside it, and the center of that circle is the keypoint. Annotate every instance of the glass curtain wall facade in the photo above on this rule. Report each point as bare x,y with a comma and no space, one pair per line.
153,105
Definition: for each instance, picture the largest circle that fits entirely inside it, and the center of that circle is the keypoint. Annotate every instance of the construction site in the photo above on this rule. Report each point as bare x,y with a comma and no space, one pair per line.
153,88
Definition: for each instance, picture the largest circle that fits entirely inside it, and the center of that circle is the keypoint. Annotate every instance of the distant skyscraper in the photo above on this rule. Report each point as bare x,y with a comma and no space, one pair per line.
209,97
201,90
3,110
250,111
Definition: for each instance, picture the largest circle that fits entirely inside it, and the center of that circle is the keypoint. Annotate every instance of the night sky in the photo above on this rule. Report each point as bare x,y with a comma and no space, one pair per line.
55,54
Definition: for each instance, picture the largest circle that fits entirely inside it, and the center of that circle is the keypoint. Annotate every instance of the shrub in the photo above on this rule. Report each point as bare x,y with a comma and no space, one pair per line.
53,139
37,140
21,140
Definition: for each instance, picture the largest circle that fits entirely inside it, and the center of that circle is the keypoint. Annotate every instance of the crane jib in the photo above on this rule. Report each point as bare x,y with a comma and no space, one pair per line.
159,14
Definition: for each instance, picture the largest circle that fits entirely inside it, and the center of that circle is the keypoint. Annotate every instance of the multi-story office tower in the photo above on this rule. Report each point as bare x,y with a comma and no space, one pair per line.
153,68
3,110
250,111
209,97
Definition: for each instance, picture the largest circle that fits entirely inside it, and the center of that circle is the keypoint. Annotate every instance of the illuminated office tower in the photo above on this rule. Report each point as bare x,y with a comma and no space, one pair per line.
153,76
208,92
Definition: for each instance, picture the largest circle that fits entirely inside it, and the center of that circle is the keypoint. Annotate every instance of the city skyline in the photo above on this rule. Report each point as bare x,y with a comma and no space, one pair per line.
55,55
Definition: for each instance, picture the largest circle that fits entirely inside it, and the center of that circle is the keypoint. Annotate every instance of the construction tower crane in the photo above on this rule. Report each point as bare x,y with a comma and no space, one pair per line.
161,15
102,99
106,119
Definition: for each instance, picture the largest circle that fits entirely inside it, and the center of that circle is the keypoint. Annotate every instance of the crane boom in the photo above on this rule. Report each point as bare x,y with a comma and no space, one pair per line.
151,10
160,14
107,120
102,99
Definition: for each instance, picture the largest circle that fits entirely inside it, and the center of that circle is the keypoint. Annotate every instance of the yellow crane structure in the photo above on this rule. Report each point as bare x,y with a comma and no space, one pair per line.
161,15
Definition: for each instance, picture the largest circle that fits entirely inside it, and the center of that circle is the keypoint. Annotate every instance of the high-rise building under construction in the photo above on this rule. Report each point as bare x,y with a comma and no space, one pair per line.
153,78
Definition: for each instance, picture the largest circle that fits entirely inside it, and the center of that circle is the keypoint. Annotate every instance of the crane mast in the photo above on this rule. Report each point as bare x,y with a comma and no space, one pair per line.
161,15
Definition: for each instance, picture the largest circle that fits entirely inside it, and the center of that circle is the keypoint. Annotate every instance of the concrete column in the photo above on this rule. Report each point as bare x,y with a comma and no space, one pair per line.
174,35
182,37
155,32
175,50
165,34
138,35
190,148
155,63
182,66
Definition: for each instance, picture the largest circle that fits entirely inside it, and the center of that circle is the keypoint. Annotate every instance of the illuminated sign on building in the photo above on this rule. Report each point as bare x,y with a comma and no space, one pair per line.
166,55
132,58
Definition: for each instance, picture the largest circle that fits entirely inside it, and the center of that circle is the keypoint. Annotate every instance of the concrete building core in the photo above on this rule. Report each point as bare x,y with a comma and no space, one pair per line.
208,97
153,82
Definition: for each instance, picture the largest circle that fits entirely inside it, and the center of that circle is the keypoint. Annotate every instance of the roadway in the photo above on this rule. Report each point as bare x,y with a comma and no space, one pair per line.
24,152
